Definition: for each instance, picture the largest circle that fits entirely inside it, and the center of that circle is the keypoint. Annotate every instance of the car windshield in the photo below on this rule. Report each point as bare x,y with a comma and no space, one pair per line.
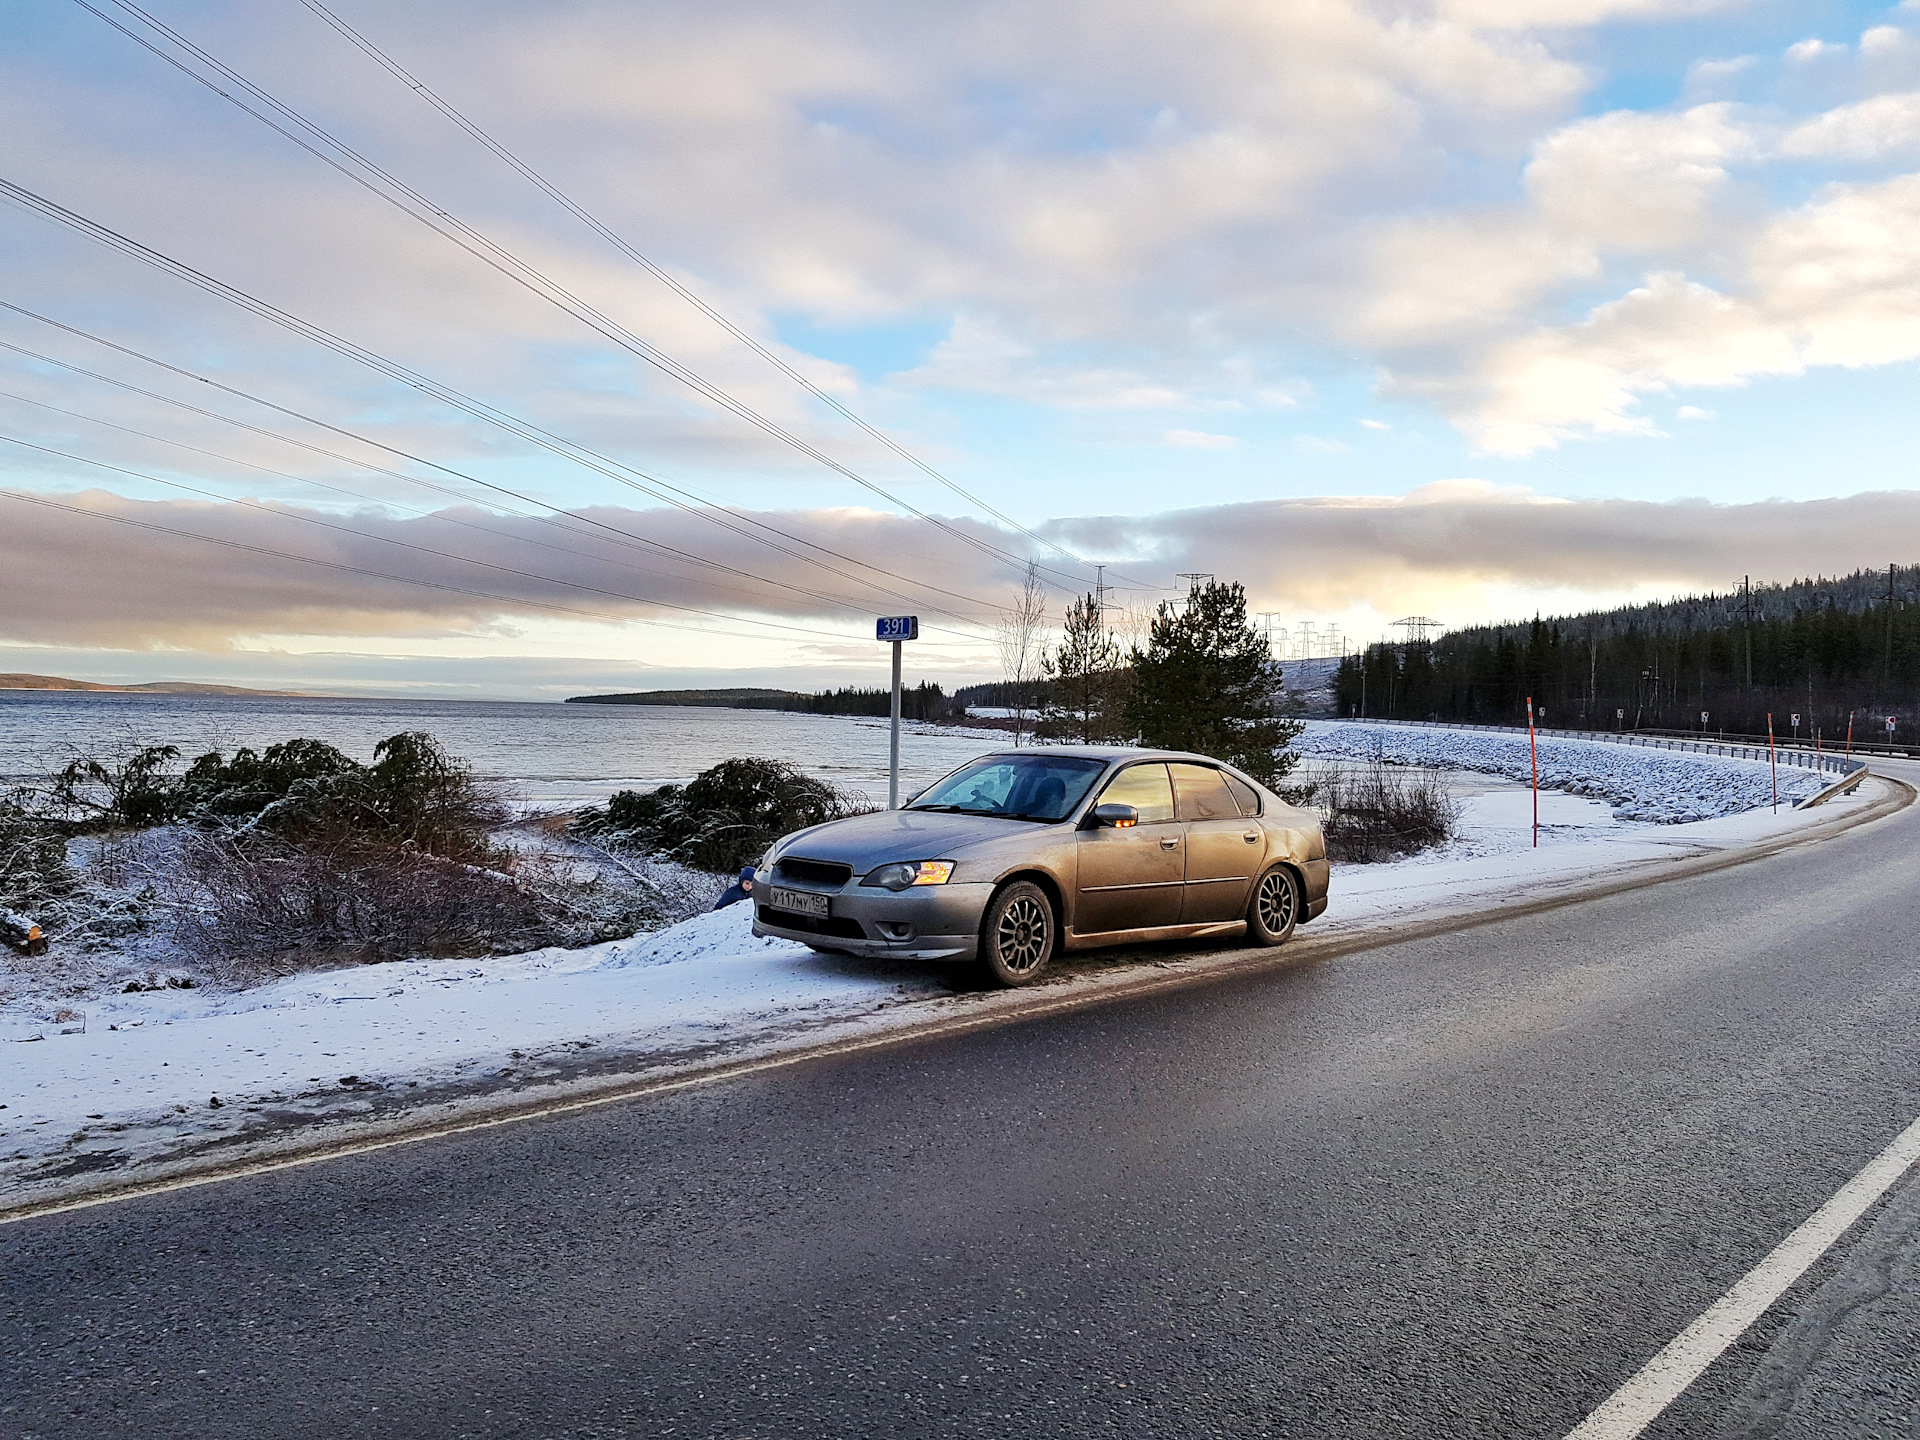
1020,787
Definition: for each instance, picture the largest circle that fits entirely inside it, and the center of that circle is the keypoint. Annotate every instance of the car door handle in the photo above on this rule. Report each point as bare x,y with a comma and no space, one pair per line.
1168,844
1252,837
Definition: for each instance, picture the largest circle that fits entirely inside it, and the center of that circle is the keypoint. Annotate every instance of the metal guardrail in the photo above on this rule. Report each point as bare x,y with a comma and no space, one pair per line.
1801,759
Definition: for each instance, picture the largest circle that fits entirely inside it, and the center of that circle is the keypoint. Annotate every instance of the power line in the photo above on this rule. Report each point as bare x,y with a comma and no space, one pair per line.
653,545
45,503
411,202
439,516
852,604
420,549
605,232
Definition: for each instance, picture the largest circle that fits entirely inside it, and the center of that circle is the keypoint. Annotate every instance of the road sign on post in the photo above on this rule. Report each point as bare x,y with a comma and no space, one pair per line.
895,629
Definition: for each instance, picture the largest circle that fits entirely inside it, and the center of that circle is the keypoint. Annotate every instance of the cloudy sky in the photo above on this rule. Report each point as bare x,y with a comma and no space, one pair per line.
1465,308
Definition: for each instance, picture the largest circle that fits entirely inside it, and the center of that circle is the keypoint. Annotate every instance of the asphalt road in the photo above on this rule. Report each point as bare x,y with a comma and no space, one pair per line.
1462,1186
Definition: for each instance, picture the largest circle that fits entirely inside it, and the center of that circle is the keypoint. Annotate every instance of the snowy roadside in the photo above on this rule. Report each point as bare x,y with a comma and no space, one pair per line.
1662,787
134,1079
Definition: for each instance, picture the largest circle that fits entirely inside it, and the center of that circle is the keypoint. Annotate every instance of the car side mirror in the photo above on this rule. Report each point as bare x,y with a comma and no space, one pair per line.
1120,817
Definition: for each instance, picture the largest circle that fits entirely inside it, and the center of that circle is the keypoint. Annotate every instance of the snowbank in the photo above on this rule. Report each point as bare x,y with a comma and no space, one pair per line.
1661,787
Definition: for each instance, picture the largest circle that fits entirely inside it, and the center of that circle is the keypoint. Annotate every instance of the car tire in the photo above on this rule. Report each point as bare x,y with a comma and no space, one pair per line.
1017,934
1274,908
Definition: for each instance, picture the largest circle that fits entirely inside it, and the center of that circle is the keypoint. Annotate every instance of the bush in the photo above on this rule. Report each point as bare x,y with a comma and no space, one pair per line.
414,794
722,819
130,788
33,857
1382,813
256,905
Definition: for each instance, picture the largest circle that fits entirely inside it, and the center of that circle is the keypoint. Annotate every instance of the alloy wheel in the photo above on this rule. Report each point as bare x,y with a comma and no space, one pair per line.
1024,934
1278,901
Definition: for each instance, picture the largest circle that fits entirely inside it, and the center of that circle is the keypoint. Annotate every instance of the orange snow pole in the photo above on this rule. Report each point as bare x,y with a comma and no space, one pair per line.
1849,733
1774,761
1533,753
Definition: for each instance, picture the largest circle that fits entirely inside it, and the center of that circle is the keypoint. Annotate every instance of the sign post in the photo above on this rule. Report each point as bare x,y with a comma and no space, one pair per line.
895,629
1774,761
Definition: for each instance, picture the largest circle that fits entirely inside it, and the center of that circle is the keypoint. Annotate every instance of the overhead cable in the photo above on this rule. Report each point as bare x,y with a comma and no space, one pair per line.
421,549
666,277
438,219
166,264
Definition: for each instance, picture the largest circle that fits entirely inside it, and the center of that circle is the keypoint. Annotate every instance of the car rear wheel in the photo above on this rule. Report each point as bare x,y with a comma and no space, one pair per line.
1017,934
1275,907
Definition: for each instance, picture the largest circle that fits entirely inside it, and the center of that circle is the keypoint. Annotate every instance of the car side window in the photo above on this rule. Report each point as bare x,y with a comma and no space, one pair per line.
1146,788
1248,797
1203,793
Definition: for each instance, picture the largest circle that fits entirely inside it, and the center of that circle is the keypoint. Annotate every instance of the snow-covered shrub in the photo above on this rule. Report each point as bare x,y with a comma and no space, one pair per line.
260,905
723,818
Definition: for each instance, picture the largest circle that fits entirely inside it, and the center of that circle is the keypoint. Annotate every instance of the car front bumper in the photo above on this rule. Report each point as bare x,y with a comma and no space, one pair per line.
923,922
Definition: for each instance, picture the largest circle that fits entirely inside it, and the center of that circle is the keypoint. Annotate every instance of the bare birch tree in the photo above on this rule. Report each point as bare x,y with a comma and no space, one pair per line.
1020,637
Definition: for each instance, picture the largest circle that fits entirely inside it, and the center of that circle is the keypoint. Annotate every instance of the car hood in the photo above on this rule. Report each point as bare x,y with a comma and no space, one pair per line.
864,841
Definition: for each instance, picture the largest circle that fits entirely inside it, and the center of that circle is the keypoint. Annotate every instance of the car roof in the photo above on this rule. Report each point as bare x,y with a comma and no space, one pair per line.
1112,752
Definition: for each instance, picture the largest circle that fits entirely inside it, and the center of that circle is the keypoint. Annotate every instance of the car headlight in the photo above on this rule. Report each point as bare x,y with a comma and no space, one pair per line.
904,874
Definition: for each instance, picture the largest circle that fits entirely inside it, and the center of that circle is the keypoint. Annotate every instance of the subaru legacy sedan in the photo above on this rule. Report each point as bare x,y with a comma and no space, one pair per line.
1016,856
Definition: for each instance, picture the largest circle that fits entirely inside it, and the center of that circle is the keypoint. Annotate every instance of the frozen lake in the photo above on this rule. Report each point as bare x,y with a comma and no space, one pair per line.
554,755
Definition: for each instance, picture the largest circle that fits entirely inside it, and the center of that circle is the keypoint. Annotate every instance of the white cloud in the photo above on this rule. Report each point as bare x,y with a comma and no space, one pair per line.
1320,445
1693,412
1866,130
1707,79
1836,282
1380,425
1807,52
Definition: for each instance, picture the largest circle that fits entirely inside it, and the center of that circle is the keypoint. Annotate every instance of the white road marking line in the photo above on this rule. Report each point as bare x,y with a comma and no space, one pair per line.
1636,1404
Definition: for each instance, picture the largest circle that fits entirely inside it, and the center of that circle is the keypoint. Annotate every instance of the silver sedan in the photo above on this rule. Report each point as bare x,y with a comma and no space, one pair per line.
1018,855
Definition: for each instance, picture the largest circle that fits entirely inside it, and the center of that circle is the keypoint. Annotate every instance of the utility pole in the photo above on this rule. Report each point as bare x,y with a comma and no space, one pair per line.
1886,661
1193,579
1746,589
1268,617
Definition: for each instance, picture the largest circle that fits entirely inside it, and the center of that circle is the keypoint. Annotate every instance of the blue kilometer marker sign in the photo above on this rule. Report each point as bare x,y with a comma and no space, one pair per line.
895,628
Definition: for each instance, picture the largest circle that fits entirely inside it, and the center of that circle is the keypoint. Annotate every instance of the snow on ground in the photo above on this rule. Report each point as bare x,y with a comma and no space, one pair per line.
1664,787
101,1082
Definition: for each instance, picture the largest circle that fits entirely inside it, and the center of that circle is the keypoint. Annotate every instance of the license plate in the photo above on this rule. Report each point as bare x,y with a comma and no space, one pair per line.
801,902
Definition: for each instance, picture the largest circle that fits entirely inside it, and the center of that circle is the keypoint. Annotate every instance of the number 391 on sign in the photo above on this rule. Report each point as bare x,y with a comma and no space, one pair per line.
897,627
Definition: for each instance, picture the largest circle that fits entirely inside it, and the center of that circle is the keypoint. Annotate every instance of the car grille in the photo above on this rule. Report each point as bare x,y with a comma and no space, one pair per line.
834,925
812,872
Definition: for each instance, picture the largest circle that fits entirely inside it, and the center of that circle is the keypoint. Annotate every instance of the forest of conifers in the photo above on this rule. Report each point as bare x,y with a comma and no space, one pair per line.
1819,648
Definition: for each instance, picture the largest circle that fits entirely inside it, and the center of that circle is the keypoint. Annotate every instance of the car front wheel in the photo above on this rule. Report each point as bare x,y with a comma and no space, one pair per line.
1275,907
1017,934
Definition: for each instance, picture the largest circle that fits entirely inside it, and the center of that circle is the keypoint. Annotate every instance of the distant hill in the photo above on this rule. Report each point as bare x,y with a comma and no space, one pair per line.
722,699
153,687
919,702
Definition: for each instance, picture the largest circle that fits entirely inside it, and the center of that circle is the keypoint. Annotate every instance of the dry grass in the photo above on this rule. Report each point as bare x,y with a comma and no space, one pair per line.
1382,812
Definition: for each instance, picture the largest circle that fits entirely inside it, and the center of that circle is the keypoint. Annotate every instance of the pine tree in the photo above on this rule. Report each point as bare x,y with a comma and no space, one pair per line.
1206,682
1085,680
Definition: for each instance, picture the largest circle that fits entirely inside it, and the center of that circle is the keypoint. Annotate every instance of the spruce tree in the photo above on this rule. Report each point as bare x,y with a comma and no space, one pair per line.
1085,679
1206,682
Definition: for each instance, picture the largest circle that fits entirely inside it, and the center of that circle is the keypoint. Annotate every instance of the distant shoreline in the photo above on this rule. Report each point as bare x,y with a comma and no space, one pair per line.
62,685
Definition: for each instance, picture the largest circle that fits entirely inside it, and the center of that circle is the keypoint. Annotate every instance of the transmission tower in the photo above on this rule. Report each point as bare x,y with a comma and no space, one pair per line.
1276,637
1417,628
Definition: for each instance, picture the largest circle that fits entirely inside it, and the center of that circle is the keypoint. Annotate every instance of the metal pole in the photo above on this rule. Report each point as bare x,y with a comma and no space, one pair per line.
1773,761
893,762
